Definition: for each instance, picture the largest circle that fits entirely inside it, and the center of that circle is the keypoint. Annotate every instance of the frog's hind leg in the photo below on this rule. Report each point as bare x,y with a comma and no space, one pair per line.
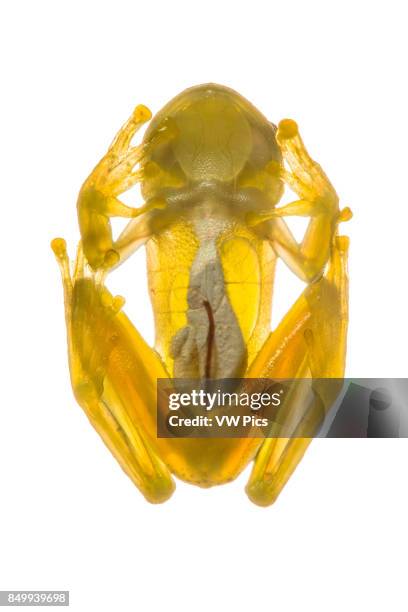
113,374
309,342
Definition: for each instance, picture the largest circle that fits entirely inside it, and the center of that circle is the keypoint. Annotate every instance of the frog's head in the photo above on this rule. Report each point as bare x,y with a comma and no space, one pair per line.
210,133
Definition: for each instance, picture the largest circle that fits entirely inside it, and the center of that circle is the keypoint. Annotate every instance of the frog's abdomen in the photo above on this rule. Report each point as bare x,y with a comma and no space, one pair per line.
211,298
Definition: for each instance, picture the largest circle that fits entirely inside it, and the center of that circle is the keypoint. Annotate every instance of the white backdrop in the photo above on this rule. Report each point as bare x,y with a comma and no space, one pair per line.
69,519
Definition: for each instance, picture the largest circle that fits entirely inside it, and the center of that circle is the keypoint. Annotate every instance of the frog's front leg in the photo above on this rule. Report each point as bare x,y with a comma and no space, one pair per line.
311,339
98,197
113,374
317,200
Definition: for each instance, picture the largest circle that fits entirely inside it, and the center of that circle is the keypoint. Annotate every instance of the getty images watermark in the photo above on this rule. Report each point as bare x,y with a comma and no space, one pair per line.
190,408
201,398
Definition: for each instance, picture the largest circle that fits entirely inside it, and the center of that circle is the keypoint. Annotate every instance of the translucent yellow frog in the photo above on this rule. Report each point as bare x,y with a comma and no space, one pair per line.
212,170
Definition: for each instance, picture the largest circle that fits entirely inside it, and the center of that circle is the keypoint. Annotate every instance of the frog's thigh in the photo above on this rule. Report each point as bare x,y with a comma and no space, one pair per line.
113,374
310,341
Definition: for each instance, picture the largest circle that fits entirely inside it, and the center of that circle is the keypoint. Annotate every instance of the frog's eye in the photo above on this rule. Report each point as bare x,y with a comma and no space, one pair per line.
264,178
162,176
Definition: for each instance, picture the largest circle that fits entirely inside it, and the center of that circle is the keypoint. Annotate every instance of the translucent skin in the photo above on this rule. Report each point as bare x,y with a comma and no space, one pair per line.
218,160
211,169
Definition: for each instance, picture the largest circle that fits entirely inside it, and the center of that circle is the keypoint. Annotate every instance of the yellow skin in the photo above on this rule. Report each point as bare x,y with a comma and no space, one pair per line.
212,170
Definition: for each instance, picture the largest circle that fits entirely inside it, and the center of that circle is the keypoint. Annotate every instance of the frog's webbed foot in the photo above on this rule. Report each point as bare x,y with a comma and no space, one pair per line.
98,198
113,374
317,200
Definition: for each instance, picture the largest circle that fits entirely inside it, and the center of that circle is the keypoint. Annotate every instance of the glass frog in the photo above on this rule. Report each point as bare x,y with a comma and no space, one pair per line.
212,170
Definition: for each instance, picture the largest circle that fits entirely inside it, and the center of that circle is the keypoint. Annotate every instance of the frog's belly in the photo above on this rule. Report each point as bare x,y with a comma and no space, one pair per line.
221,287
234,275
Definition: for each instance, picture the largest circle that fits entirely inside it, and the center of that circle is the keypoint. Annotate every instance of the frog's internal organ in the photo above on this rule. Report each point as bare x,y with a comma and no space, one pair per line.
211,345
